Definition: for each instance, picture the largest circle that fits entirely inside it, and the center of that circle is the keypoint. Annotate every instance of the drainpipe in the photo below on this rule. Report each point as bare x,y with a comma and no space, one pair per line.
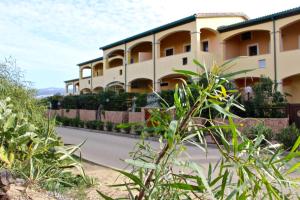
275,55
125,71
91,77
154,61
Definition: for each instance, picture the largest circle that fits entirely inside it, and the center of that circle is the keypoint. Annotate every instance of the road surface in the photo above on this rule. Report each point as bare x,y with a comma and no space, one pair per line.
111,150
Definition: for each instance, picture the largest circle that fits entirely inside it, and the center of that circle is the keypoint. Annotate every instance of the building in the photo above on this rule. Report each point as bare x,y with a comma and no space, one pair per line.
146,61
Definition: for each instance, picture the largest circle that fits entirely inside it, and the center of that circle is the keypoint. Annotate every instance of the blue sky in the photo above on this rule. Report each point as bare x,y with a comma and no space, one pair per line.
48,37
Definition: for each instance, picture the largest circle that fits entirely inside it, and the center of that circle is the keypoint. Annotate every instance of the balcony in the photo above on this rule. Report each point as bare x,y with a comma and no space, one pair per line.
261,65
85,82
166,65
114,74
140,70
288,63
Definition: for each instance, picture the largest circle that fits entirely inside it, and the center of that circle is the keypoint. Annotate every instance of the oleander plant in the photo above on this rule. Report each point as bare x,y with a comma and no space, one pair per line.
246,169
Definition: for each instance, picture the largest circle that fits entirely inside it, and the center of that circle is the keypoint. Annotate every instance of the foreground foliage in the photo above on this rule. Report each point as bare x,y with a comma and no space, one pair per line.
246,169
29,145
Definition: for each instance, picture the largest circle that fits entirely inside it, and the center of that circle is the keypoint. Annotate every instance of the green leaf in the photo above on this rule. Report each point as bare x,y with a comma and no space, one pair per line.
142,164
185,186
230,75
186,72
104,196
133,177
196,62
296,145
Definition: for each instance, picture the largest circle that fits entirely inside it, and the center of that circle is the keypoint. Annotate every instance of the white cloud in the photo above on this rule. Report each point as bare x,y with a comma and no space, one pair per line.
49,37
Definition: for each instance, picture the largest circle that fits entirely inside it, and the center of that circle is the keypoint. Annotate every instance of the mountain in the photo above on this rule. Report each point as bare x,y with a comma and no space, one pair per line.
46,92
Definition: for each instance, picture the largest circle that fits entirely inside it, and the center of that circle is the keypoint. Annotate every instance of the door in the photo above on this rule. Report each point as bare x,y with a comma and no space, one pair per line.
294,114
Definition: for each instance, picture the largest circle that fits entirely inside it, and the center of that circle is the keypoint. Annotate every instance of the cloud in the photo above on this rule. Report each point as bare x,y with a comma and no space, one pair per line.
49,37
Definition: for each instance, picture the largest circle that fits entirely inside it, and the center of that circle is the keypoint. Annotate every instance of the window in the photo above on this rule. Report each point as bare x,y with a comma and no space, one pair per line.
246,36
169,51
164,84
121,72
262,63
187,48
184,61
253,50
205,46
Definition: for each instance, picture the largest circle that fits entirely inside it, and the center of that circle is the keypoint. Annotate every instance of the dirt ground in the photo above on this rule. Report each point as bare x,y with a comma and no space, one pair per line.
105,177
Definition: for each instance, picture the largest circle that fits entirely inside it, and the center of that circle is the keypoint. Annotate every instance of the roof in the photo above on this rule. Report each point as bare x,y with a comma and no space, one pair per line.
227,14
172,25
90,61
260,20
72,80
152,31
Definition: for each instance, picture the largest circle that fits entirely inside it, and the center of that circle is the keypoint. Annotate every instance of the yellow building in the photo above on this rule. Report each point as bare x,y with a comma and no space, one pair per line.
145,62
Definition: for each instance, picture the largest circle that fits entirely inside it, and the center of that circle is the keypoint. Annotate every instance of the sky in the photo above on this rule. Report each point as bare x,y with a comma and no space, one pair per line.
48,38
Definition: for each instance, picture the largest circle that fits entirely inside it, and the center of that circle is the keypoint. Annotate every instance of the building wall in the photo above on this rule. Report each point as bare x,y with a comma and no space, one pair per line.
204,28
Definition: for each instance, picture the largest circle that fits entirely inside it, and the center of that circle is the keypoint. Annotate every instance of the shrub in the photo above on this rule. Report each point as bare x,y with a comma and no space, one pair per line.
117,128
138,129
254,131
109,126
100,125
288,136
91,124
126,127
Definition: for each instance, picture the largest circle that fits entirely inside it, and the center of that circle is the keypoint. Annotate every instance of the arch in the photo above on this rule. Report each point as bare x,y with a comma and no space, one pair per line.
248,43
291,87
177,41
290,36
115,62
70,88
168,82
140,52
239,33
116,52
141,85
98,70
76,89
85,91
115,86
245,85
85,71
208,40
97,89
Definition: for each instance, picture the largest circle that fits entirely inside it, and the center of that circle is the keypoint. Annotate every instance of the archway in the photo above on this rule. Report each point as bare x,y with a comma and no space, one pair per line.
86,91
169,82
249,43
291,86
208,40
290,36
141,85
140,52
175,43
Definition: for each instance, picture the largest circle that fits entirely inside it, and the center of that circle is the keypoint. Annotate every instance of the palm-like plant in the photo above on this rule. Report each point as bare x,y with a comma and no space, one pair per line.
246,170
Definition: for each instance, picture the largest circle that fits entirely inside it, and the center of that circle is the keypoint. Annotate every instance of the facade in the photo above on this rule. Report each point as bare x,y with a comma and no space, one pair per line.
146,61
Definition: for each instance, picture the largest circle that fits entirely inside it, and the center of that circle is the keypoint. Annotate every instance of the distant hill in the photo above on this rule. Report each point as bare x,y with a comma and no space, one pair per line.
46,92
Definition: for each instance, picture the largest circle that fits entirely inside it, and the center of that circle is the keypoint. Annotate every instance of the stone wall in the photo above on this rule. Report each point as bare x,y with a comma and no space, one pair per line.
87,115
69,113
116,117
276,124
136,117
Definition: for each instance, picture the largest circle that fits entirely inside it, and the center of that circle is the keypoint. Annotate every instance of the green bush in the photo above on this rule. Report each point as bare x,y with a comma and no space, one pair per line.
254,131
91,124
288,136
30,146
126,127
109,126
100,125
117,128
138,129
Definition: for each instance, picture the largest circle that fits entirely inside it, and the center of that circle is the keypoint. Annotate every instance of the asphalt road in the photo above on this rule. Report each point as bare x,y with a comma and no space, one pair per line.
110,150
